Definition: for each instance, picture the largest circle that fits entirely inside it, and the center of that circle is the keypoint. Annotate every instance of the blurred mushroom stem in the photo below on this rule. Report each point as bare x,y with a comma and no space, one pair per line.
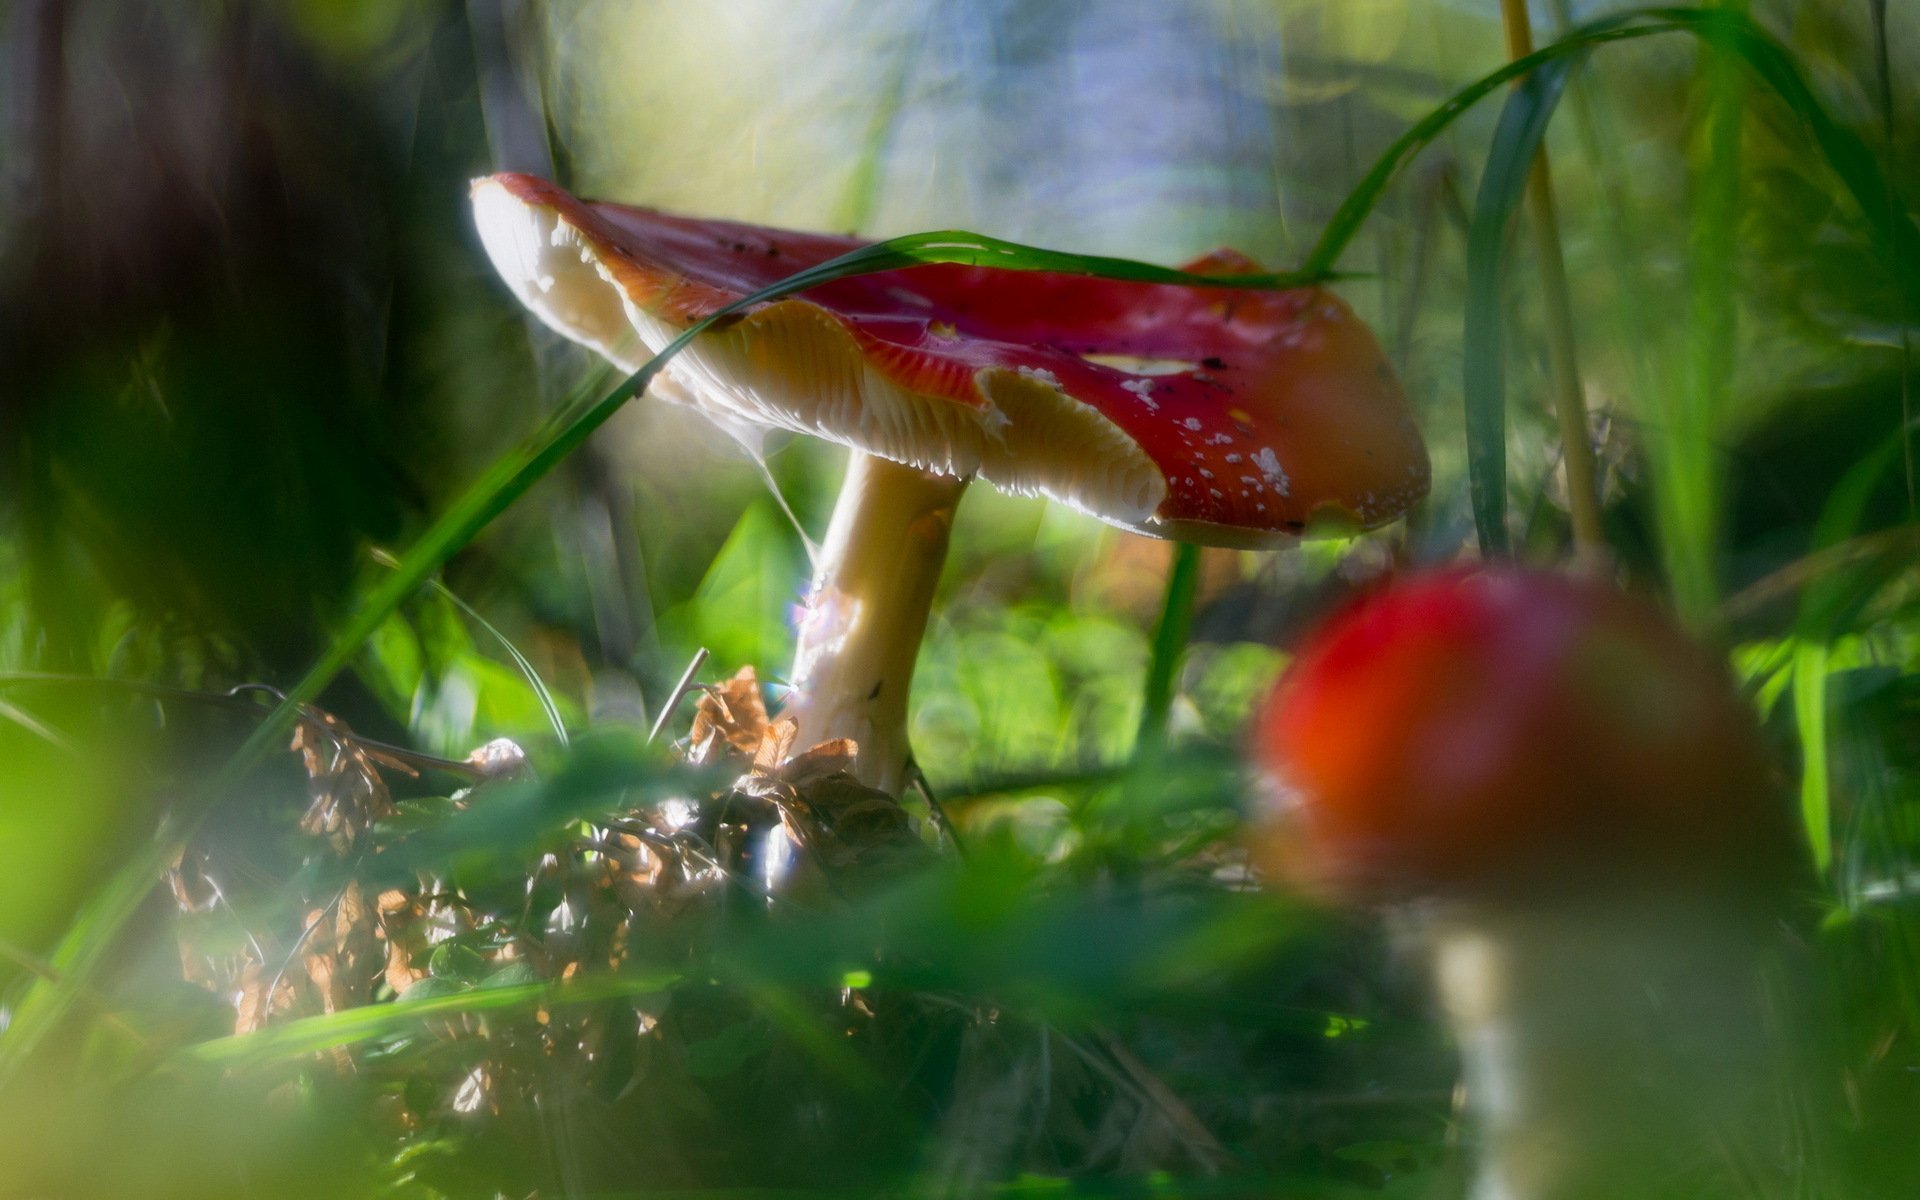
1632,1047
866,613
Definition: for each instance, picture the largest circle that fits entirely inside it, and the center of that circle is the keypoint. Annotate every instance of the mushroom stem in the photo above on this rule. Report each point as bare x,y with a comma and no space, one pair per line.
866,613
1614,1052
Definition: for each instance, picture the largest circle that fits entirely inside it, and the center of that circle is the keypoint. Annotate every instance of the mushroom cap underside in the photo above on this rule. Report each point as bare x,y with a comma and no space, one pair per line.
1218,415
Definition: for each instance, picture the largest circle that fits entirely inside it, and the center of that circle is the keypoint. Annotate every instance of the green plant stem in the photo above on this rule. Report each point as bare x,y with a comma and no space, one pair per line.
1169,642
1569,401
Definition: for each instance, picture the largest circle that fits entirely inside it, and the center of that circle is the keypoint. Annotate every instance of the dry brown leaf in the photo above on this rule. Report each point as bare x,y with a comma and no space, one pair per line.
400,921
730,713
342,951
253,1008
776,746
845,828
345,788
637,870
828,758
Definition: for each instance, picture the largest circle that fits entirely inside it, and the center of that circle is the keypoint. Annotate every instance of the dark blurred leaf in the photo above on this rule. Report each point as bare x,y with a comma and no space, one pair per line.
1523,124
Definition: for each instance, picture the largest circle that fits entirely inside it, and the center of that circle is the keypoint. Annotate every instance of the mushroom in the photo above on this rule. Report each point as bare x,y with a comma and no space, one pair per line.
1572,810
1225,416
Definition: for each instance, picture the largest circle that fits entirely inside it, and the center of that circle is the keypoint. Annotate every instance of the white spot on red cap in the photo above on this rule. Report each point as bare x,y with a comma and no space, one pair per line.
1269,464
1142,388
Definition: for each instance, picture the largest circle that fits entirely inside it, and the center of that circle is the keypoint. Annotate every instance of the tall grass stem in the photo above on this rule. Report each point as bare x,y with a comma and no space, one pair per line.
1569,400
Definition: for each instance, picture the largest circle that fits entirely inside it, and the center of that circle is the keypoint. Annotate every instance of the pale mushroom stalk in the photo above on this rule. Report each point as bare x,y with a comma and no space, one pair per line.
1611,1049
866,612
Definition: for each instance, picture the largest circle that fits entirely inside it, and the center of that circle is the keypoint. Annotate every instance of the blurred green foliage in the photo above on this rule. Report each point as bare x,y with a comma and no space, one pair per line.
247,335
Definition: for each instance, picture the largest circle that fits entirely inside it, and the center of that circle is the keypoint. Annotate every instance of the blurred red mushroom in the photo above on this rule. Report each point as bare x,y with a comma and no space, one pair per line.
1217,415
1572,808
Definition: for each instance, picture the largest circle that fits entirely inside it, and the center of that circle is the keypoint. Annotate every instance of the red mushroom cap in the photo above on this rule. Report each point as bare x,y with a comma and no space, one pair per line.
1219,415
1484,730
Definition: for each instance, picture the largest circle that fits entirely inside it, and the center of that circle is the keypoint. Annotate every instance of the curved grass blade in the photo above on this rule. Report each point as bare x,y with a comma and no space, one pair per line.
1850,159
1523,124
1360,202
1827,607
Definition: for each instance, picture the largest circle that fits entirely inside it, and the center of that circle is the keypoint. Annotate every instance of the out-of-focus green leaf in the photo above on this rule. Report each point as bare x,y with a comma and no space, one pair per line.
310,1035
1810,720
1516,143
742,610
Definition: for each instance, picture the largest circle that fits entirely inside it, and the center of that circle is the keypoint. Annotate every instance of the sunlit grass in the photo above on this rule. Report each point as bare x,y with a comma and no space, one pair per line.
1089,989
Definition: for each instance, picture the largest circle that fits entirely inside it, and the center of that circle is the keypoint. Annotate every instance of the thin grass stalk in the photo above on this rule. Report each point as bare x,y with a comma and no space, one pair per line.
1569,401
1169,641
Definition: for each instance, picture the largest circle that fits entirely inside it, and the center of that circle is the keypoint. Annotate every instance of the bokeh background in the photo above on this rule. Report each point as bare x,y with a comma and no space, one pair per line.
248,338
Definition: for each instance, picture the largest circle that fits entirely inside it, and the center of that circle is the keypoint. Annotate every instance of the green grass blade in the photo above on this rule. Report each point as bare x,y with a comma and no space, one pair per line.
957,246
1832,600
312,1035
1523,121
1772,63
1826,609
1516,141
1360,202
1810,722
1169,641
